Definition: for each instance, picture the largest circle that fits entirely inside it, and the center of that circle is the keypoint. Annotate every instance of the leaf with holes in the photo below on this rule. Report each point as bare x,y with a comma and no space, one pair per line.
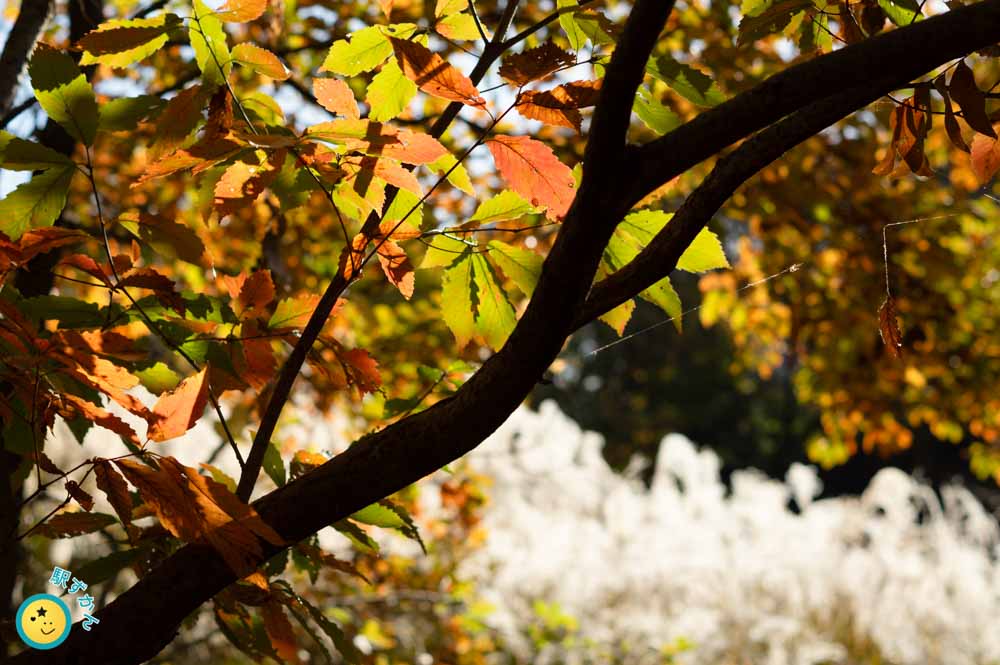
534,64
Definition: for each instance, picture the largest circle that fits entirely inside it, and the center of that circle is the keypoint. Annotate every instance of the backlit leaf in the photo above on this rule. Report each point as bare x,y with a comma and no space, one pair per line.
17,154
293,313
260,60
772,20
64,93
389,92
433,74
211,48
457,175
688,82
533,171
397,267
364,50
67,525
521,265
984,156
121,42
177,411
567,19
559,106
36,203
495,318
458,27
336,97
115,489
242,10
888,328
970,99
504,206
456,299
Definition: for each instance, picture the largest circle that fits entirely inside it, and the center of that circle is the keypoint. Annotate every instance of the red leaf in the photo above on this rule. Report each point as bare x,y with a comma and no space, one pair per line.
336,97
177,411
888,327
433,74
534,172
257,290
535,63
88,265
363,369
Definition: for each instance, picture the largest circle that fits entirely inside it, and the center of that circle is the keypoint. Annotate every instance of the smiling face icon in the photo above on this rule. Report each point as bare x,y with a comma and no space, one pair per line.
43,621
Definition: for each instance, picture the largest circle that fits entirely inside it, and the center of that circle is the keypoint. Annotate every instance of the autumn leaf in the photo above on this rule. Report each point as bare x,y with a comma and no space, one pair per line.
260,60
336,97
380,140
533,171
79,495
888,328
293,313
397,267
194,507
559,106
101,417
67,525
243,10
121,42
243,182
970,99
433,74
534,64
177,411
279,630
115,488
362,369
984,157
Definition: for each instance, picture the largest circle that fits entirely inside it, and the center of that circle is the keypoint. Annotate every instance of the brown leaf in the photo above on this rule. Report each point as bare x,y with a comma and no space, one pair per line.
177,411
179,118
336,97
194,507
888,328
950,122
67,525
257,291
79,495
397,267
47,465
362,369
200,156
559,106
534,172
278,628
534,63
101,417
970,99
433,74
115,488
88,265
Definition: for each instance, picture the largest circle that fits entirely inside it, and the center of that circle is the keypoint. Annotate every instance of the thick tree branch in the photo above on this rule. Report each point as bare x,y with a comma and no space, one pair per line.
659,258
20,42
904,54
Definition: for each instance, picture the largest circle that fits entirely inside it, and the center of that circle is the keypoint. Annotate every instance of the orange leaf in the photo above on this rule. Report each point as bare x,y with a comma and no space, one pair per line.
179,118
242,183
336,97
534,172
257,290
985,156
535,63
202,155
101,417
888,328
397,267
67,525
88,265
114,487
279,630
177,411
379,140
243,10
260,60
79,495
194,507
433,74
362,369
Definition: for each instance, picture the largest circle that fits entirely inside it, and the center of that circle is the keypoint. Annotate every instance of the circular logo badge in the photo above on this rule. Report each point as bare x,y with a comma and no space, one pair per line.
43,621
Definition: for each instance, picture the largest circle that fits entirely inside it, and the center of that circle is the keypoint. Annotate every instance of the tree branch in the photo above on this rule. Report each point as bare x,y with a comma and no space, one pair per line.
20,42
903,53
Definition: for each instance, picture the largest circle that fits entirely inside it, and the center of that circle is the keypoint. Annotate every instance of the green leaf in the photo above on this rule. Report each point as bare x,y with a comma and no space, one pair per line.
495,318
356,535
567,19
456,299
121,42
293,312
401,205
901,12
121,115
458,177
443,251
389,93
333,631
16,154
158,378
654,114
36,203
273,464
772,20
521,265
64,93
688,82
165,236
505,205
365,49
210,44
461,27
449,7
705,253
379,515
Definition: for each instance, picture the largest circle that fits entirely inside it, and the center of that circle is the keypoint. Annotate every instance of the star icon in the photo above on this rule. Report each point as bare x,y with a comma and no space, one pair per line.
42,611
